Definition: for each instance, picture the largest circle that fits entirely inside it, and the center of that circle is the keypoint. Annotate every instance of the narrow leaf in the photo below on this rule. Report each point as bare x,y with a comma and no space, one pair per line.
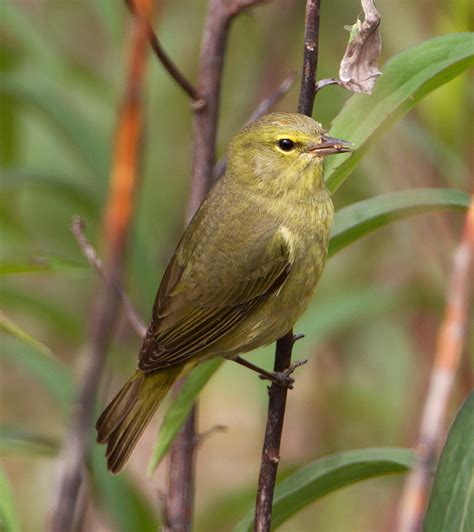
18,441
77,131
78,195
451,505
8,326
328,474
8,516
179,409
406,79
20,348
42,264
359,219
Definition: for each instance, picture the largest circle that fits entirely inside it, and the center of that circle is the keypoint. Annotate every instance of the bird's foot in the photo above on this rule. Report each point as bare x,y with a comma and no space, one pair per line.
283,378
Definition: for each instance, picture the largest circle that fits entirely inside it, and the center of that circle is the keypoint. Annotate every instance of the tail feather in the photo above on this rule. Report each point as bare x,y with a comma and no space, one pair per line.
124,420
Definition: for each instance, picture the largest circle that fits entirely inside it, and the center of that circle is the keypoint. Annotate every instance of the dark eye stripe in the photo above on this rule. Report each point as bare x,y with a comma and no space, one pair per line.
286,144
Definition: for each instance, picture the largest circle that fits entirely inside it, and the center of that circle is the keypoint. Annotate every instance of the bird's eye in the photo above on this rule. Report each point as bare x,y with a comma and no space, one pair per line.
286,144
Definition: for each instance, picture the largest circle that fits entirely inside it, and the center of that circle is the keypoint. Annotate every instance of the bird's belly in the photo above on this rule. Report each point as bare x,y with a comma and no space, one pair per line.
277,315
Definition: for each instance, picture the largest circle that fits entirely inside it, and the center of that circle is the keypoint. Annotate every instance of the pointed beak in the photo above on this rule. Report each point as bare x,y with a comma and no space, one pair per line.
330,146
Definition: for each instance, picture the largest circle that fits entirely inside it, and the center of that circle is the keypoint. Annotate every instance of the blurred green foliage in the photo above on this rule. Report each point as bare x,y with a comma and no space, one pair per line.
371,328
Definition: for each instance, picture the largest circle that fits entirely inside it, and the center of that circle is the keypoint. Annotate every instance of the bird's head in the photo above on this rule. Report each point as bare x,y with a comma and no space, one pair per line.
281,152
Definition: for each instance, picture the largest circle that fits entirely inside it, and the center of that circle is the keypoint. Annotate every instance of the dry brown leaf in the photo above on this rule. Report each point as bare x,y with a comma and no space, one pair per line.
358,71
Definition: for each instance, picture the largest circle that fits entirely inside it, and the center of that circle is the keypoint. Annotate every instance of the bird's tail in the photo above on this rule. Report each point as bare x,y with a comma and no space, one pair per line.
125,418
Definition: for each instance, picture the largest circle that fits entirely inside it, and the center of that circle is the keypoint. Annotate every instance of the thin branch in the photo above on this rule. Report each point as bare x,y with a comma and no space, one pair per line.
271,447
262,108
449,347
165,59
284,346
123,184
78,228
310,58
180,492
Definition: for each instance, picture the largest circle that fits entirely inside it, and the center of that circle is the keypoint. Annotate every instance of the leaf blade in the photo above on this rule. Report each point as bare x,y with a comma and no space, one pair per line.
451,504
363,217
179,410
327,474
406,79
8,515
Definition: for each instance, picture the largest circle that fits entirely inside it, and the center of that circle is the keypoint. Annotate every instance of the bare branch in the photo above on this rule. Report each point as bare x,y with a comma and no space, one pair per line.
358,71
262,108
123,183
284,346
310,57
78,229
449,347
271,447
164,58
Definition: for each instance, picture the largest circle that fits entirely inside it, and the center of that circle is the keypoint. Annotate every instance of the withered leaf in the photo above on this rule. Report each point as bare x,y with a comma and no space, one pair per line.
358,71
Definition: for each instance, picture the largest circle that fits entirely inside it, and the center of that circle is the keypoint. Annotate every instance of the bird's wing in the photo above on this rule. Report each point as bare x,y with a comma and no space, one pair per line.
209,289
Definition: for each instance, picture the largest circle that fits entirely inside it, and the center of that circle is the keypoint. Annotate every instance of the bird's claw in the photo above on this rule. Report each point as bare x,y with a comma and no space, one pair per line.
282,378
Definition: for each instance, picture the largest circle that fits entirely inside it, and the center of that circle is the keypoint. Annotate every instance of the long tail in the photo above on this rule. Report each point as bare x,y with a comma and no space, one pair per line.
125,418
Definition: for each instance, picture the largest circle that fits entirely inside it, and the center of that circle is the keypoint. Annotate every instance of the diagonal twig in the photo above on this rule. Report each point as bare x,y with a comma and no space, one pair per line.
78,228
165,59
446,363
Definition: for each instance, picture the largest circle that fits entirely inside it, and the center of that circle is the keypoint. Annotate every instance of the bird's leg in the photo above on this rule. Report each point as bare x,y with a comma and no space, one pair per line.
282,378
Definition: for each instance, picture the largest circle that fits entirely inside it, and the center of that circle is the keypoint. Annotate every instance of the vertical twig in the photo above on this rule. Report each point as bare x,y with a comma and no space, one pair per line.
310,58
446,362
271,446
123,184
180,492
284,346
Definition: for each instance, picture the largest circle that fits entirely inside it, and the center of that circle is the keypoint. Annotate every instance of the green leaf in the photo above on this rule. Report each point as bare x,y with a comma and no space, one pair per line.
18,441
88,143
451,505
74,192
328,474
8,516
406,79
180,408
359,219
42,264
38,359
8,326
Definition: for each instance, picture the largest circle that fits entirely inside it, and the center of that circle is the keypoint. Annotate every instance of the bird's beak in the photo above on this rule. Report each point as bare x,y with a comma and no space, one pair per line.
330,146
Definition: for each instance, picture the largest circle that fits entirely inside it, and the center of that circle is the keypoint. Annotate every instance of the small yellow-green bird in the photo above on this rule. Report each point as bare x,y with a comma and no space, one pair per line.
244,270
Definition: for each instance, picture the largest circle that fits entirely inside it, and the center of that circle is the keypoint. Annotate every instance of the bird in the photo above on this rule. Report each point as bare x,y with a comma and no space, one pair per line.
243,272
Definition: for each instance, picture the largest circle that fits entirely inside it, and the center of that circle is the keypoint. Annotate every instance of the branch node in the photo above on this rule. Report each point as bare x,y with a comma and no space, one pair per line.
198,105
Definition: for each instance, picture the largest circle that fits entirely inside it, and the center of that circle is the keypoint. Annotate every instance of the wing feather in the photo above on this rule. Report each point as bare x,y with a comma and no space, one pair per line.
194,309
